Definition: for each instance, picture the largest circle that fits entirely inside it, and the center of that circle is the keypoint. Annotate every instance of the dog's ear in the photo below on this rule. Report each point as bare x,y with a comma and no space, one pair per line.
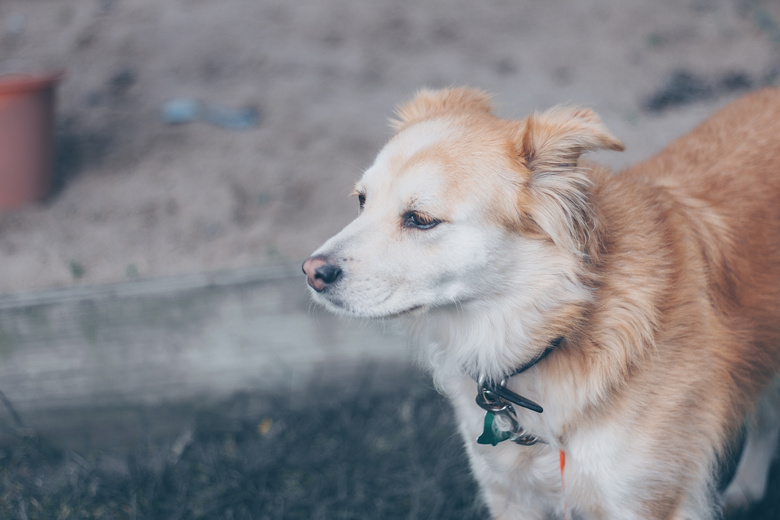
549,145
557,137
431,103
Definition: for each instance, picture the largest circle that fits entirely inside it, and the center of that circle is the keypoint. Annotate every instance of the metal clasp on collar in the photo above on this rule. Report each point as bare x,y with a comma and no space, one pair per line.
500,417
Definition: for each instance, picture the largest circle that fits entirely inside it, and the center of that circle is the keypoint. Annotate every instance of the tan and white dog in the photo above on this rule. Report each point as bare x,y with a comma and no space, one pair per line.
641,310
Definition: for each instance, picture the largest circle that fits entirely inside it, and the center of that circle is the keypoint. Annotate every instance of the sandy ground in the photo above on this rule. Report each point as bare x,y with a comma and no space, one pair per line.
137,197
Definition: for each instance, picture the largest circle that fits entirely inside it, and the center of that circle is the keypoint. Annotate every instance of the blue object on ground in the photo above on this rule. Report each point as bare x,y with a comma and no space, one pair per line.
180,110
231,118
186,110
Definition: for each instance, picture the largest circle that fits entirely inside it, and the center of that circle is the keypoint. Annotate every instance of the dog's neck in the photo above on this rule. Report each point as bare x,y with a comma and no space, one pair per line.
492,342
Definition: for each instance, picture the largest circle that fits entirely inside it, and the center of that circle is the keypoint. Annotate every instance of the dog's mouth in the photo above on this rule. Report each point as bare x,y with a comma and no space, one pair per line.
339,305
410,311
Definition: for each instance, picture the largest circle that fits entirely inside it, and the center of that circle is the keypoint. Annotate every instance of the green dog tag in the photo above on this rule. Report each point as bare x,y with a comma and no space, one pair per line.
490,435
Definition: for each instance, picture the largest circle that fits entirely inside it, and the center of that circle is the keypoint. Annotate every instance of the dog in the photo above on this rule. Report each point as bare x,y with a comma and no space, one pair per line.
609,342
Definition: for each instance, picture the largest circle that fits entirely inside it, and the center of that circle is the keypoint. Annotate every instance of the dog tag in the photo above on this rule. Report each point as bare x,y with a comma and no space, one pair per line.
489,434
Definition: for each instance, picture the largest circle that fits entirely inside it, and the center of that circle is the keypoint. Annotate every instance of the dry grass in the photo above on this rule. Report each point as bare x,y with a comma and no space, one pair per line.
380,447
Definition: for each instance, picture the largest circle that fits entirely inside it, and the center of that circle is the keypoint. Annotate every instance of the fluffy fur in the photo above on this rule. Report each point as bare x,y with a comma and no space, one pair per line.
490,238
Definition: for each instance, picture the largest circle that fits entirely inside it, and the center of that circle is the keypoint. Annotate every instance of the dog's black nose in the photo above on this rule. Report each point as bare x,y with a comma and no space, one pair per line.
321,272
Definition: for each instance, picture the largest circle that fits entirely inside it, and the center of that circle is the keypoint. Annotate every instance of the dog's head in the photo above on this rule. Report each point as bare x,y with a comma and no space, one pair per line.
461,205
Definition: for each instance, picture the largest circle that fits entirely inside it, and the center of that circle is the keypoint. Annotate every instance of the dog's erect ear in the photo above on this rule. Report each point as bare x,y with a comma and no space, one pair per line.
550,145
431,103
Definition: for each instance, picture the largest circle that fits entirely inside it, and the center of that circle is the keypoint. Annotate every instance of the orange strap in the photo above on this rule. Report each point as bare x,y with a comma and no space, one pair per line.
563,487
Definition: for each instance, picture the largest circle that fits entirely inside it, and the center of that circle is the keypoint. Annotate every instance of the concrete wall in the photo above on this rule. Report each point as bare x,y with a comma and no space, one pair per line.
151,342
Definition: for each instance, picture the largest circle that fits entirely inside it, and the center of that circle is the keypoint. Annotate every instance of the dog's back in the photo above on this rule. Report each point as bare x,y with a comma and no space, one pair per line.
725,175
724,181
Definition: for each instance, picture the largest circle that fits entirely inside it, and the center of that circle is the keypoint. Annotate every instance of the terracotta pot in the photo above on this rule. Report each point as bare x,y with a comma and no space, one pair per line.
26,137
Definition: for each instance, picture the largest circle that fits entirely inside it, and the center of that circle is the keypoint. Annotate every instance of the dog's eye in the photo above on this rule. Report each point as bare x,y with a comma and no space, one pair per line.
362,200
418,220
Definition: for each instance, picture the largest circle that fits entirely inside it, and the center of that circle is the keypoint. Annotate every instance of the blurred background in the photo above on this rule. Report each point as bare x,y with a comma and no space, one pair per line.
159,357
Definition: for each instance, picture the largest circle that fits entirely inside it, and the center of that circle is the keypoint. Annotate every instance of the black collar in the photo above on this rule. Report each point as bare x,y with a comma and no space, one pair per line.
503,393
552,346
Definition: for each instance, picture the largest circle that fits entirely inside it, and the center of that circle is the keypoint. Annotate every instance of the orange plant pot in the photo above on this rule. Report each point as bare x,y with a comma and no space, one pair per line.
26,137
